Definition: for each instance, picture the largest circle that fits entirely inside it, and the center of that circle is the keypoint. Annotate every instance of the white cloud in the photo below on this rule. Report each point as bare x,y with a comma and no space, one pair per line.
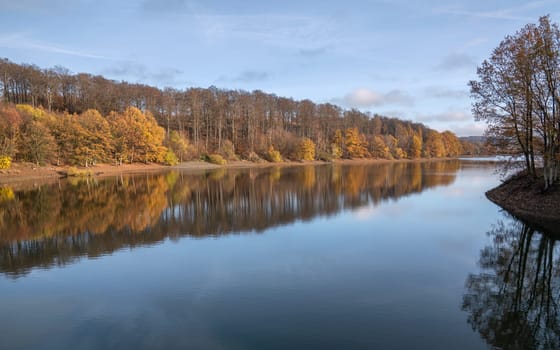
449,116
363,97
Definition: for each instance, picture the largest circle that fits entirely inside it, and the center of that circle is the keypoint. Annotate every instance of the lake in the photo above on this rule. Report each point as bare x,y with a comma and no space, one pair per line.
405,255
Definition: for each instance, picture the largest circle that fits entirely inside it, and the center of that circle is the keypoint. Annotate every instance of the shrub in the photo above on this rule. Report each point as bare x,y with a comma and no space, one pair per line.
336,151
170,158
75,172
273,155
253,157
6,194
5,162
216,159
325,156
228,150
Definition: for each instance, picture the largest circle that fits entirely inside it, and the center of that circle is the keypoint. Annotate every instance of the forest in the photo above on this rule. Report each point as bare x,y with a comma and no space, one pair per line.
57,117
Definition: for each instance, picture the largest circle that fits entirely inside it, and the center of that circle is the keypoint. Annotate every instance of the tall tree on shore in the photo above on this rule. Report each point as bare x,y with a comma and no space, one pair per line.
518,95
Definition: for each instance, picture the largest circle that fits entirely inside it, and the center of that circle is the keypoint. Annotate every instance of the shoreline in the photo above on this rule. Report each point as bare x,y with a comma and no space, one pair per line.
31,174
523,198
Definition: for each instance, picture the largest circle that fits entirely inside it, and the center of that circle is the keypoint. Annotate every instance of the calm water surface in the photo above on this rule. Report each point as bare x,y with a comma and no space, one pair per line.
387,256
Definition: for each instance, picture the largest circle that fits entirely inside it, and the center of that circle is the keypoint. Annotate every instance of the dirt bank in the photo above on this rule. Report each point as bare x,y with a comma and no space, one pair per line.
523,197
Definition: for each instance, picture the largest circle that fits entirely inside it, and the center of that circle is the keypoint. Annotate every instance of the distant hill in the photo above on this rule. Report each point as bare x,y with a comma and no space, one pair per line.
474,139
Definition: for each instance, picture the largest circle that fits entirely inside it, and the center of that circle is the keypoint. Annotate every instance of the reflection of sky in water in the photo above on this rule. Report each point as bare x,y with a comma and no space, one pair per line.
389,276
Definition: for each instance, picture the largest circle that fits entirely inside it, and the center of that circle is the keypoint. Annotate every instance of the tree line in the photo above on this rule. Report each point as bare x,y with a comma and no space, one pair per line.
518,94
187,124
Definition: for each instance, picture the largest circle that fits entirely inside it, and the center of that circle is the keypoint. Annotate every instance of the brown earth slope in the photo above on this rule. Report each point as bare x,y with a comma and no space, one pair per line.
523,197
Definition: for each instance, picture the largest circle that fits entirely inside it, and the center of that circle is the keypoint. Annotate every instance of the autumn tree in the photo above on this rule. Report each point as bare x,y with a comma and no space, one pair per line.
415,150
546,87
137,136
518,95
433,145
39,144
305,150
337,144
451,144
10,124
70,139
97,143
356,144
379,148
179,145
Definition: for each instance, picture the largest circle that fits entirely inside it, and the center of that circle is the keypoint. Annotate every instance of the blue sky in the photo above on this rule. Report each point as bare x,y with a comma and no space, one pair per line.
407,59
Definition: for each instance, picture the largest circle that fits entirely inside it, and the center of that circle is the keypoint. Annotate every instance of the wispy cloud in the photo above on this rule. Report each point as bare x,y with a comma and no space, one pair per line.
282,30
139,72
449,116
35,5
441,92
516,13
246,77
21,41
363,98
165,6
313,52
500,14
475,42
456,61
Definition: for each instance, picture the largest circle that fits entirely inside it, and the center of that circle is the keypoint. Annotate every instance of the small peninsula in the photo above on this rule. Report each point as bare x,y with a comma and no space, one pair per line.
523,197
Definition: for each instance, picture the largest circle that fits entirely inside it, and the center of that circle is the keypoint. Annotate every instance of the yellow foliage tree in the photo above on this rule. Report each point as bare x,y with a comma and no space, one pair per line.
415,150
433,145
97,143
337,145
305,150
5,162
137,136
380,149
451,144
356,144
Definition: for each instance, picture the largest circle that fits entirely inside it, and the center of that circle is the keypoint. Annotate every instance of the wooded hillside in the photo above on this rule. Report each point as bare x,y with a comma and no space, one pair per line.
52,115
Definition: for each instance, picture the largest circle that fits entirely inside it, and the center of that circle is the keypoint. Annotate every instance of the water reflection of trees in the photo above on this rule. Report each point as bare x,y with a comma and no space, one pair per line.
55,224
513,302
